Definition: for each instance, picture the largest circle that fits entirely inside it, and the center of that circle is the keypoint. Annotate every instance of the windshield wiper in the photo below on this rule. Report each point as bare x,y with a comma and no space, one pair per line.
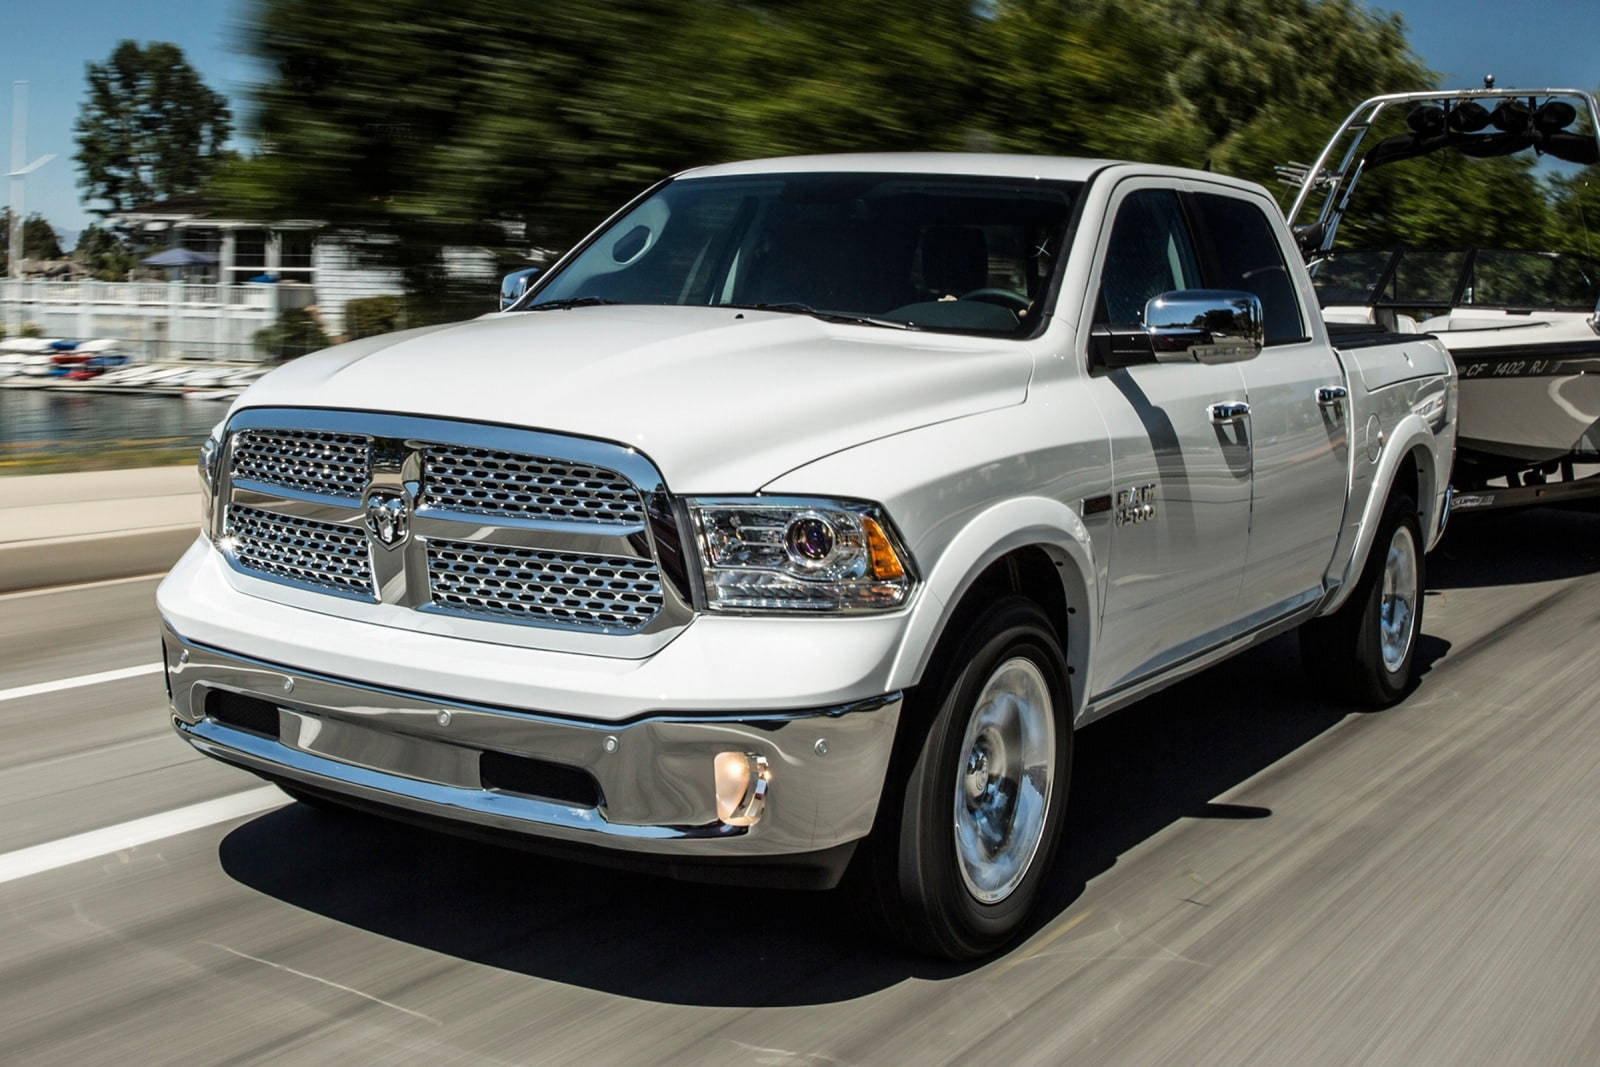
796,308
575,302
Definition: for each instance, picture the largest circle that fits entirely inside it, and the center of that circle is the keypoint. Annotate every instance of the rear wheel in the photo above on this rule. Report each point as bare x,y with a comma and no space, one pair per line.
1367,649
963,845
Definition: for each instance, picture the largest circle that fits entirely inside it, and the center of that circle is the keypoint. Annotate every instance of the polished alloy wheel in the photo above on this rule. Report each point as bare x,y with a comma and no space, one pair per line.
1398,605
1004,781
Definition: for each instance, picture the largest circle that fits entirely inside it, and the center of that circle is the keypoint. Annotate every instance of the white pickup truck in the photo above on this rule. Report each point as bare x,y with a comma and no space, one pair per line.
786,529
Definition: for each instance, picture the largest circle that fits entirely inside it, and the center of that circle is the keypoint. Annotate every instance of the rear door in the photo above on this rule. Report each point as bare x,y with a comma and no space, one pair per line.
1181,481
1299,445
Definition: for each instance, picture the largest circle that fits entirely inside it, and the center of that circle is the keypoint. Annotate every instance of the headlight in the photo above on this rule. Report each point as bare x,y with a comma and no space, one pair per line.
799,554
209,462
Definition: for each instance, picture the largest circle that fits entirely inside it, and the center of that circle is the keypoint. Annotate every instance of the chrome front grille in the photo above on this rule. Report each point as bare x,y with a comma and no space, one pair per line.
320,554
569,588
332,464
454,519
480,481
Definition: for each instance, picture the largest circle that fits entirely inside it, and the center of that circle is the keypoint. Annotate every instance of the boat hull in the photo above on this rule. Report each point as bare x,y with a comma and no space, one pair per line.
1527,403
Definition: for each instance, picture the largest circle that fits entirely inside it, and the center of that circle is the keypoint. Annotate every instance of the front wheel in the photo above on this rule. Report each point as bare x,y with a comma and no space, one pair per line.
1367,649
961,850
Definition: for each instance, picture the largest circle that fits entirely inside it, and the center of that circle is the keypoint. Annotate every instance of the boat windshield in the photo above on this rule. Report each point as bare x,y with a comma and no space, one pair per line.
952,253
1440,279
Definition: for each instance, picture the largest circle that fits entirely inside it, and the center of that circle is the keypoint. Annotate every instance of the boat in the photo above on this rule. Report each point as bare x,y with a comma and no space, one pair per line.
1523,325
200,378
25,345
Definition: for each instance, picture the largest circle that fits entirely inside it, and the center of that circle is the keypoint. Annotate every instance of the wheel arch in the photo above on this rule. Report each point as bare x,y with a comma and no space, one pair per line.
1408,464
1034,547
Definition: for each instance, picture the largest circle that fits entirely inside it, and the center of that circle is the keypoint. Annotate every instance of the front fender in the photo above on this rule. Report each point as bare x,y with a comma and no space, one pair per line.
1002,528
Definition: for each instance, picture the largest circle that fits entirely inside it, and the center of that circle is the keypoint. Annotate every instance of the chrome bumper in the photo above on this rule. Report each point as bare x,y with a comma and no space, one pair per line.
656,792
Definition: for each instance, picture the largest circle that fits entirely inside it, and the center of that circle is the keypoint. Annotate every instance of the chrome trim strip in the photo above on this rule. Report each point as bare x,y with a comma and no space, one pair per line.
422,429
655,774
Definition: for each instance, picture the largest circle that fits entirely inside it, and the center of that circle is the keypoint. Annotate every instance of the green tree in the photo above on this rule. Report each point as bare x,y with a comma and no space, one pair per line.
38,239
371,315
425,127
149,127
416,127
1575,212
104,255
296,333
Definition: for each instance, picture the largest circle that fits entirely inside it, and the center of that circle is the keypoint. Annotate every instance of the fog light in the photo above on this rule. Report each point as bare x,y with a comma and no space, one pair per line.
741,779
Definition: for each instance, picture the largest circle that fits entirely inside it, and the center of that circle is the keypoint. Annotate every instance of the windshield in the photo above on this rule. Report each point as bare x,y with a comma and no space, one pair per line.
1439,279
971,255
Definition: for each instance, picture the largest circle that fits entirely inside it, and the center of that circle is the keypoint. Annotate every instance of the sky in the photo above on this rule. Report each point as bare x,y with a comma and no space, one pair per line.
48,42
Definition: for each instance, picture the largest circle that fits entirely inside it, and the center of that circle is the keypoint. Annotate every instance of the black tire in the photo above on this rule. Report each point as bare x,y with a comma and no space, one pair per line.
1345,651
909,874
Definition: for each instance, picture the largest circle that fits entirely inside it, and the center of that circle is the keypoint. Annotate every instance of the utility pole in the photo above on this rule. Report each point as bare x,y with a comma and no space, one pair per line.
19,152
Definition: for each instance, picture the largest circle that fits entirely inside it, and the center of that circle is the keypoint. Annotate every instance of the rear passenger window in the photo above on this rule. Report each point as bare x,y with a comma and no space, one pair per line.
1243,253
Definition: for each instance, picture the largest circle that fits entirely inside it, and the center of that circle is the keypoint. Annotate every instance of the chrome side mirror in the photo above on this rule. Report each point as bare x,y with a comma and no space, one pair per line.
513,285
1204,326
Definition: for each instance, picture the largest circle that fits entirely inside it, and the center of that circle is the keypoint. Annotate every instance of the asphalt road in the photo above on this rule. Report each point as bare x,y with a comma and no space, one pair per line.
1252,874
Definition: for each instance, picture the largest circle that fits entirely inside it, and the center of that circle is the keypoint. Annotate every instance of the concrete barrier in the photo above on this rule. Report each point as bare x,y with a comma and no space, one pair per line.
56,529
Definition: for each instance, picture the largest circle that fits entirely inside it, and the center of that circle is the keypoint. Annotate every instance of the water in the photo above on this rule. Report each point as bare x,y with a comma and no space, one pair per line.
50,420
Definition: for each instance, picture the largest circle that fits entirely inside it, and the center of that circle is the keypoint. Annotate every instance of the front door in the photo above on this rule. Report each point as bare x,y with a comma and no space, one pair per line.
1181,475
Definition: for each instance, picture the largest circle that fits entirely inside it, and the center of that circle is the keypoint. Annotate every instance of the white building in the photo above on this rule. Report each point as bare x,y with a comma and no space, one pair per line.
211,311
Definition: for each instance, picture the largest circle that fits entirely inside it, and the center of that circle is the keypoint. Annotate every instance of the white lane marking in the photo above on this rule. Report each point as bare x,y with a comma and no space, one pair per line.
324,981
81,680
52,854
101,583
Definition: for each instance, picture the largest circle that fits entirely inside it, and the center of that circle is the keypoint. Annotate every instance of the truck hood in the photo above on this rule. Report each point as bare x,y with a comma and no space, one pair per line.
722,400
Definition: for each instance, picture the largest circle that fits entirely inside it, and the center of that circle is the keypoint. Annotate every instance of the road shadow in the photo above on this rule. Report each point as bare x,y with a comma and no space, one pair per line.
655,939
1145,767
629,934
1135,773
1516,547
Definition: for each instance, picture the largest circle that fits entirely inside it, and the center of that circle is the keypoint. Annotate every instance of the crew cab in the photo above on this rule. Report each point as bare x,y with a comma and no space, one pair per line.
787,528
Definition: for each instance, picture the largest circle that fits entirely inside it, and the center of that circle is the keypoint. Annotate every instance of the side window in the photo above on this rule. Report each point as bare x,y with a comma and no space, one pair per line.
1150,253
1244,254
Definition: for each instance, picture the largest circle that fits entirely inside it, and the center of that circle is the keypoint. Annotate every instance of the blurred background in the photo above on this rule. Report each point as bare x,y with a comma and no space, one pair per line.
205,190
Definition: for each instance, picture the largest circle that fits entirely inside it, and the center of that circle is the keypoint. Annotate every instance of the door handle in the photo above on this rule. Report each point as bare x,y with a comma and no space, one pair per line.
1230,411
1329,395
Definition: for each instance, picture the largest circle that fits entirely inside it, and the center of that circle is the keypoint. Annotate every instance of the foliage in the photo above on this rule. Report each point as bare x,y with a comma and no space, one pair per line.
428,127
371,315
296,333
31,329
1575,213
104,255
149,129
38,239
